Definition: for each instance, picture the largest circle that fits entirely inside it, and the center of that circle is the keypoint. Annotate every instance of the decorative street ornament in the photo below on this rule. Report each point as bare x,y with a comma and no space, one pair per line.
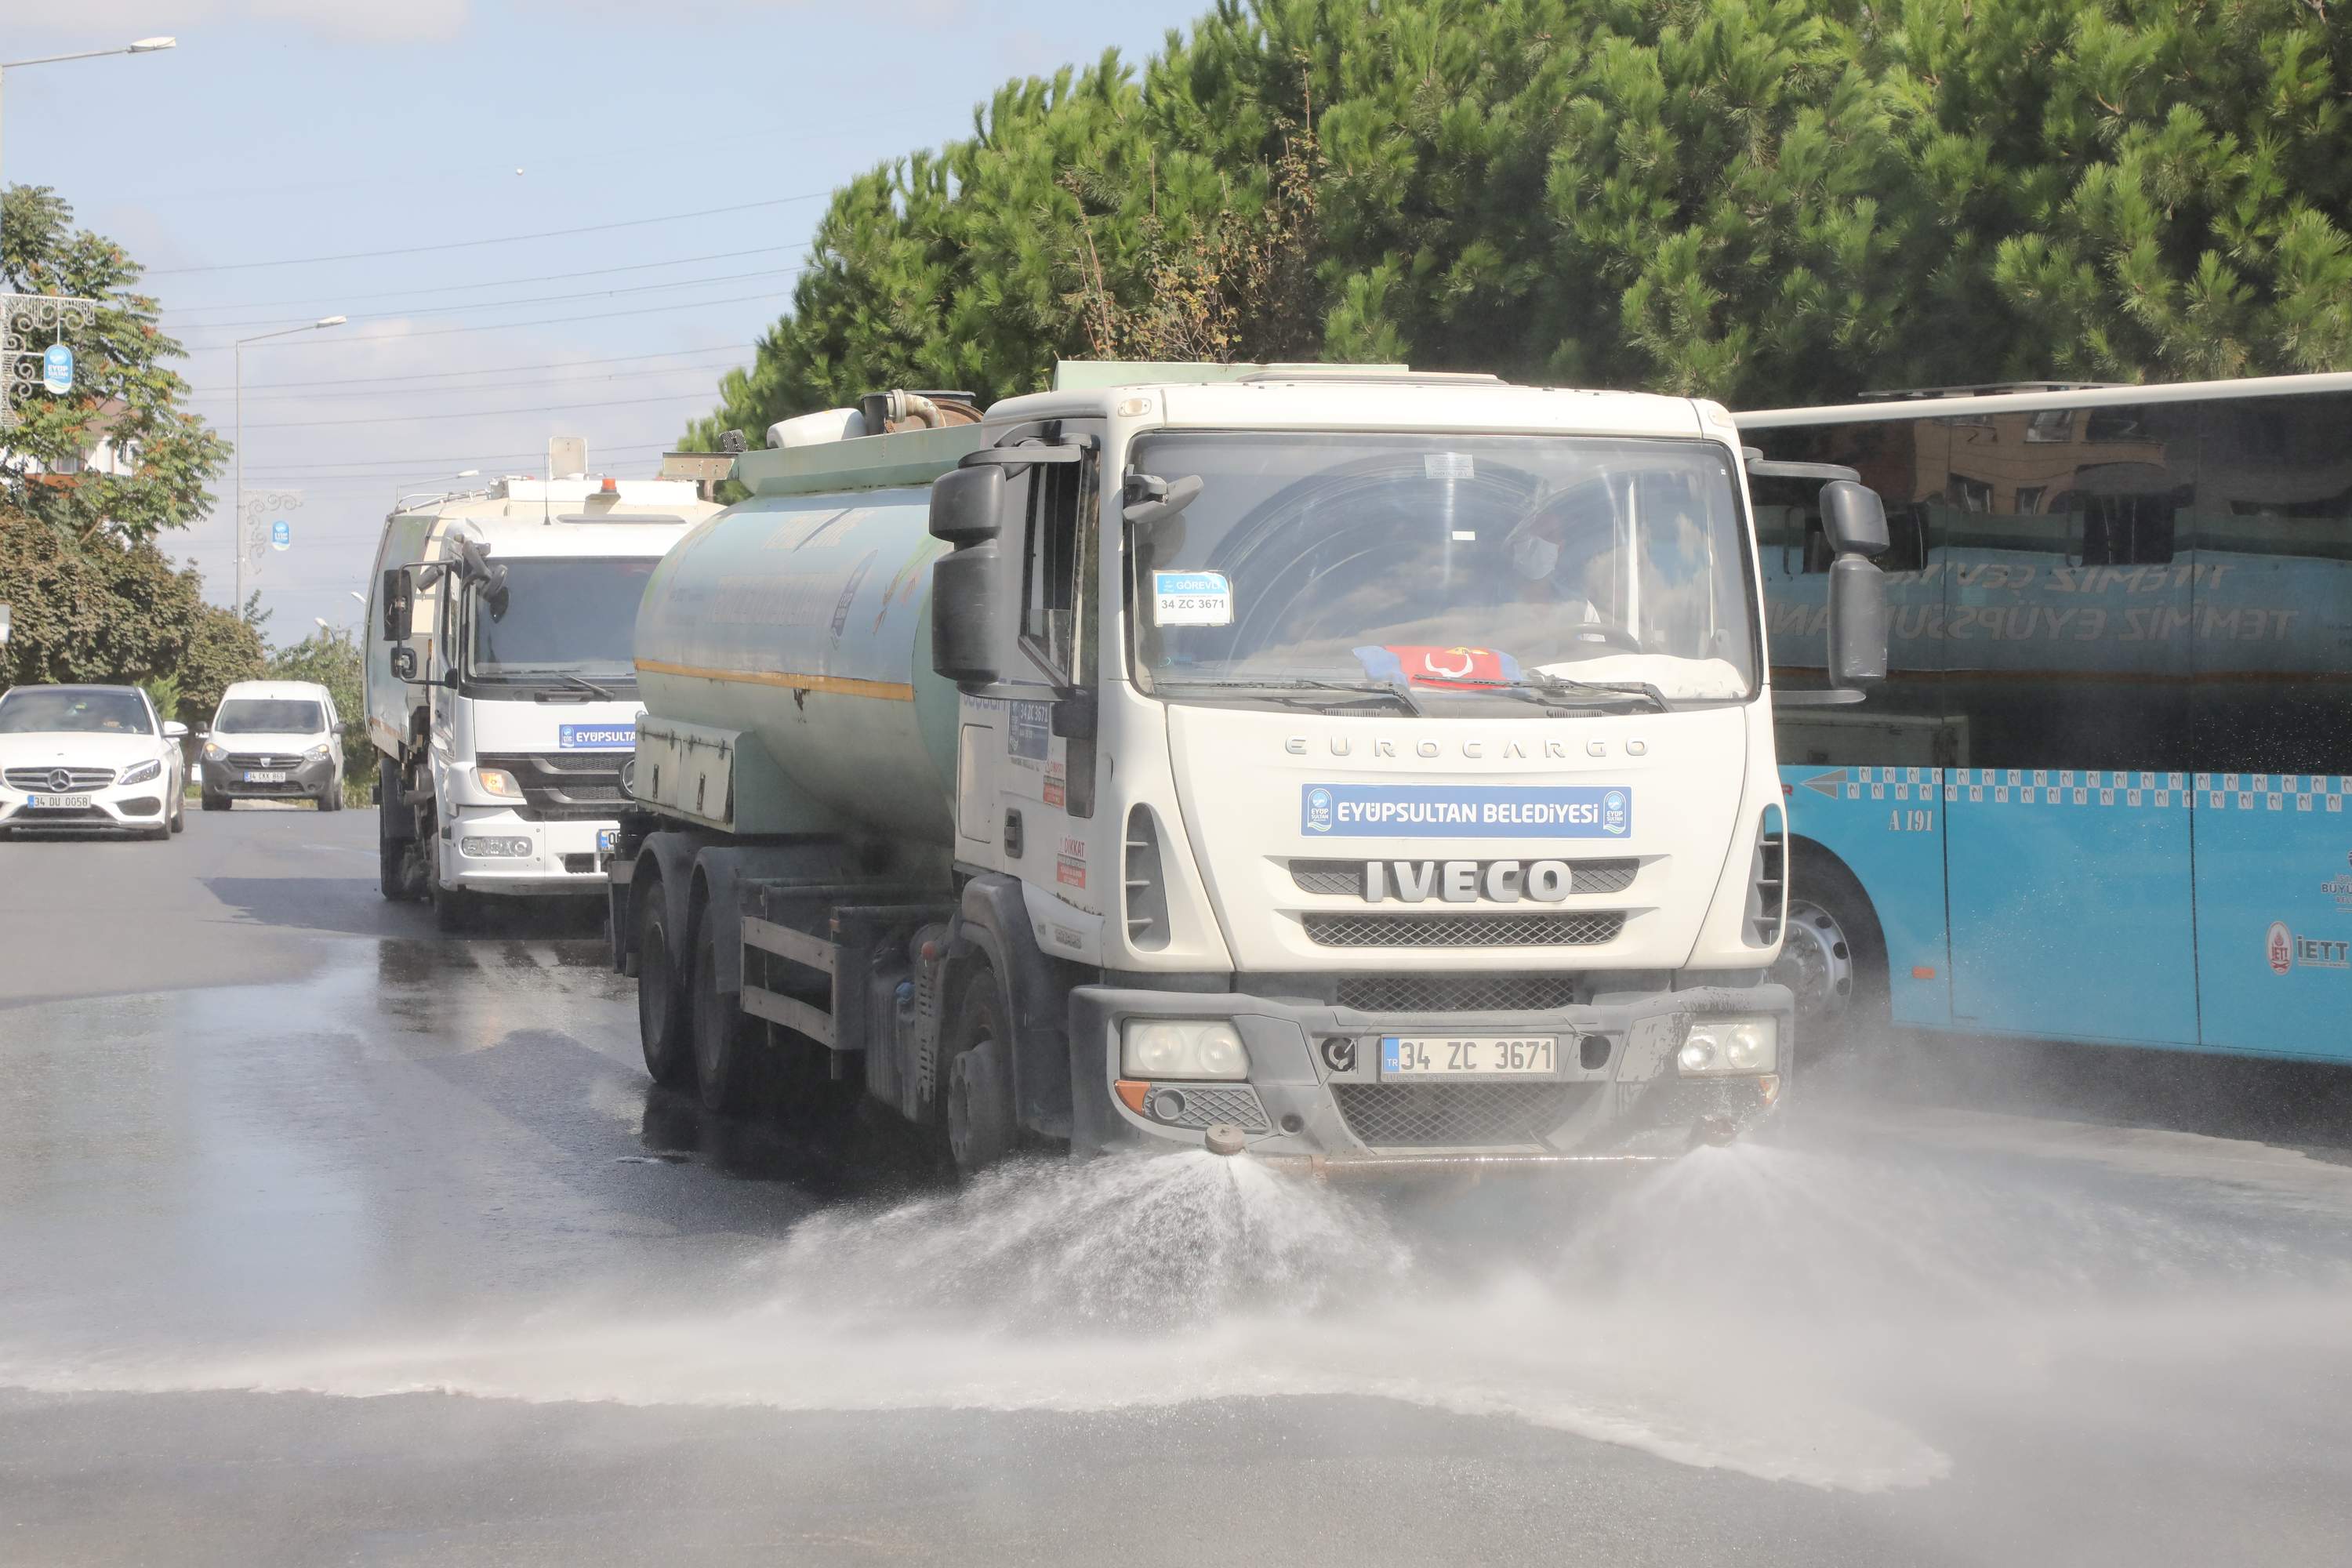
263,526
26,363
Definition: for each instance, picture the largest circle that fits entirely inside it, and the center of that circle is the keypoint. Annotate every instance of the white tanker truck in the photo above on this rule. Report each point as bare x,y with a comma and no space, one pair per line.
1372,770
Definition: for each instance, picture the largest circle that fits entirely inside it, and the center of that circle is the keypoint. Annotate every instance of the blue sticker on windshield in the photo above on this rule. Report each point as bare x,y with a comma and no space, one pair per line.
596,737
1464,811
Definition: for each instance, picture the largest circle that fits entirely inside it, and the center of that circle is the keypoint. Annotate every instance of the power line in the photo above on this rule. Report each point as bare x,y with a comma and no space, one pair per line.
253,396
451,457
525,300
326,341
486,370
501,239
469,414
494,283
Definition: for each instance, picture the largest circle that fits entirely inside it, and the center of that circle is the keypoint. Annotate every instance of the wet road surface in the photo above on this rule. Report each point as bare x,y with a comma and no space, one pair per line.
326,1238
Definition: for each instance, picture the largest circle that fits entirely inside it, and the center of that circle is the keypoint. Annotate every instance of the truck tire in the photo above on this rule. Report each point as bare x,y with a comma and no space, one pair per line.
393,830
663,1006
725,1042
1833,957
982,1128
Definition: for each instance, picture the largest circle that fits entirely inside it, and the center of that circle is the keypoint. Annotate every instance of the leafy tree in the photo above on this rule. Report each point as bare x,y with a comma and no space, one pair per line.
108,610
123,392
1763,201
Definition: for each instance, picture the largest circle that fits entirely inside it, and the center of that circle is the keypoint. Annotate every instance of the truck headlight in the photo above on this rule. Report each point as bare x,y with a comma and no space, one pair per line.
498,782
1717,1047
1180,1049
317,753
140,773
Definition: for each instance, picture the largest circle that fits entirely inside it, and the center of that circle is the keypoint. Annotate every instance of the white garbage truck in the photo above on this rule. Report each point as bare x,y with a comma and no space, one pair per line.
501,700
1370,770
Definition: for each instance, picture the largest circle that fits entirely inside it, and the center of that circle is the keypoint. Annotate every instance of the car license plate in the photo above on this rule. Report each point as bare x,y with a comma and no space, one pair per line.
1469,1056
59,802
605,839
270,775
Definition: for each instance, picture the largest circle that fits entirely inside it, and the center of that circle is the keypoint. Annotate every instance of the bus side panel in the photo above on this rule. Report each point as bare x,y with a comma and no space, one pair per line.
2070,904
2274,913
1887,824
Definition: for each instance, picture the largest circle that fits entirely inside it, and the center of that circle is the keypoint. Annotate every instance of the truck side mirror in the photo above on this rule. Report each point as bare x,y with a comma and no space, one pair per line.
1854,522
403,660
1075,714
399,602
972,602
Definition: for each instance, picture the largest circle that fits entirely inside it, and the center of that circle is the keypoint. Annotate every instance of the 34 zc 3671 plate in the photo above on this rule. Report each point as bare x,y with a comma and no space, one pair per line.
1469,1056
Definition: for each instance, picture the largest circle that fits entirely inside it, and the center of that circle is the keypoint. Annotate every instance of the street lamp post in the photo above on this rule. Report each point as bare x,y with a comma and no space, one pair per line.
236,524
143,47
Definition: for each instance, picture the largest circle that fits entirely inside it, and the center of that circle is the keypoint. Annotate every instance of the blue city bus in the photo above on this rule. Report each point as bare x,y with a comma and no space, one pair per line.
2105,793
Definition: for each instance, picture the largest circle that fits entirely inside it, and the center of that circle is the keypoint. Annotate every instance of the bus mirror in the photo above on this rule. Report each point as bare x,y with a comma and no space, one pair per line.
399,602
1854,517
402,662
1857,631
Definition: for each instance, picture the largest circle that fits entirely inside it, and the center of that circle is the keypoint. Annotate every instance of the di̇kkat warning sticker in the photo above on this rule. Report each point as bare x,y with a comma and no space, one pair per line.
1191,599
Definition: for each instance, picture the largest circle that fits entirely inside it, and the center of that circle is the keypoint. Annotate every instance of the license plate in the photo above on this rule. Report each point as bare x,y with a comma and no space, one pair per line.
271,775
59,802
1469,1056
605,839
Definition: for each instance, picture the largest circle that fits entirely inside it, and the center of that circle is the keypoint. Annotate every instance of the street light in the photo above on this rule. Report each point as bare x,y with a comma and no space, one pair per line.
236,523
143,47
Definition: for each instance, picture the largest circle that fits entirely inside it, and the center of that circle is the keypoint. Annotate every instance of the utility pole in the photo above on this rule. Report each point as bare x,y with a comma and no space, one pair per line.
240,523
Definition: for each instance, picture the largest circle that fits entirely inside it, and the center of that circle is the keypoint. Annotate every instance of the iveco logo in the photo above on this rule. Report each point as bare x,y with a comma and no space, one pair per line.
60,780
1467,881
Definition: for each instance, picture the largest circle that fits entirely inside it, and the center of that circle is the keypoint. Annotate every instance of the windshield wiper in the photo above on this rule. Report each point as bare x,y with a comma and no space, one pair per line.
522,677
1300,693
1559,691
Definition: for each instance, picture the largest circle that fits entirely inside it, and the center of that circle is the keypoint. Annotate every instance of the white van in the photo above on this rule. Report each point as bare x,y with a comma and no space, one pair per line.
274,740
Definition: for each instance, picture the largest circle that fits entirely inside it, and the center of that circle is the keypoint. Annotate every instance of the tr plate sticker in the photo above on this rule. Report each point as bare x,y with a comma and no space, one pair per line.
1191,599
1464,811
596,737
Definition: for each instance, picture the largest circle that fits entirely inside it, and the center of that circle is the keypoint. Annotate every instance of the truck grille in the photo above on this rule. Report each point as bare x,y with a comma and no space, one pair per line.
1345,878
1457,1115
1456,992
44,780
1582,930
556,788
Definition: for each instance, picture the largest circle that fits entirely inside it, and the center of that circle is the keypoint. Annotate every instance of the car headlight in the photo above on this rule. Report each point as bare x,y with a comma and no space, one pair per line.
317,753
1717,1047
1180,1048
213,752
140,773
498,782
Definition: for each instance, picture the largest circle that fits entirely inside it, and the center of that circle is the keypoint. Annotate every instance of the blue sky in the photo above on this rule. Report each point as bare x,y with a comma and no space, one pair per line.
285,130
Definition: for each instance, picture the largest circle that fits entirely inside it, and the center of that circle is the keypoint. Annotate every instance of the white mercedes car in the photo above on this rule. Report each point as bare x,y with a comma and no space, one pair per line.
89,757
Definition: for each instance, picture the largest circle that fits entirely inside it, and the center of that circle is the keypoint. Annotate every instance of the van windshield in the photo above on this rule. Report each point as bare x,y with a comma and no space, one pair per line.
269,716
561,618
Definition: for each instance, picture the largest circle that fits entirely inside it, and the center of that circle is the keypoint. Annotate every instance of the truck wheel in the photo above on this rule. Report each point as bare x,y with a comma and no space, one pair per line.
663,1008
981,1125
725,1043
1833,957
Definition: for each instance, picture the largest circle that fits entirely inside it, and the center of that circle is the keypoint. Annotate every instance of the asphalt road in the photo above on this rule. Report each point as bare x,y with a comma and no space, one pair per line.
325,1238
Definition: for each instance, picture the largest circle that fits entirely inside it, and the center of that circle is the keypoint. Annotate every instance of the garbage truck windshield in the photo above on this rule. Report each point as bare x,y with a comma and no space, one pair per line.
558,618
1444,571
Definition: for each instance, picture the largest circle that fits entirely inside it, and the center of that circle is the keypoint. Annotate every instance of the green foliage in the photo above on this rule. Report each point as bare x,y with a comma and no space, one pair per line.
108,610
123,391
1763,201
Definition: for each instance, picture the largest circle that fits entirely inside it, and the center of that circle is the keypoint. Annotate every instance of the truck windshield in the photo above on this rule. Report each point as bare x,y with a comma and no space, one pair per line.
1573,570
558,620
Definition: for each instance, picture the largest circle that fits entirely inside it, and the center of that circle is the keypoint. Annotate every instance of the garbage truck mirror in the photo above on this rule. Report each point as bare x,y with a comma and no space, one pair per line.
1857,652
1854,517
399,602
968,505
402,662
1074,714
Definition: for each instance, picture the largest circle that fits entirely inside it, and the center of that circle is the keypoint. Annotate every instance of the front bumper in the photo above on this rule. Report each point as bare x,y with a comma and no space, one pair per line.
563,856
223,781
117,809
1625,1103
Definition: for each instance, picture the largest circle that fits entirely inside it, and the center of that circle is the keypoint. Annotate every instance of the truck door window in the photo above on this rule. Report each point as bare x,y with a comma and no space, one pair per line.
1049,595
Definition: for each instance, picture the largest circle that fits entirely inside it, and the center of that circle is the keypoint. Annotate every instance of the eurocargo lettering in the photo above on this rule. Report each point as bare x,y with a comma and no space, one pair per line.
1366,770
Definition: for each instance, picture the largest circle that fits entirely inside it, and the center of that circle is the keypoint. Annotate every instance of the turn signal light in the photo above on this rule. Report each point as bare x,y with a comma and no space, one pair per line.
1130,1093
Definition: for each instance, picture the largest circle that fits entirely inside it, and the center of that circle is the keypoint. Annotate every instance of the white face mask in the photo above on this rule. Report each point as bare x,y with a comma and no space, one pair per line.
1533,556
